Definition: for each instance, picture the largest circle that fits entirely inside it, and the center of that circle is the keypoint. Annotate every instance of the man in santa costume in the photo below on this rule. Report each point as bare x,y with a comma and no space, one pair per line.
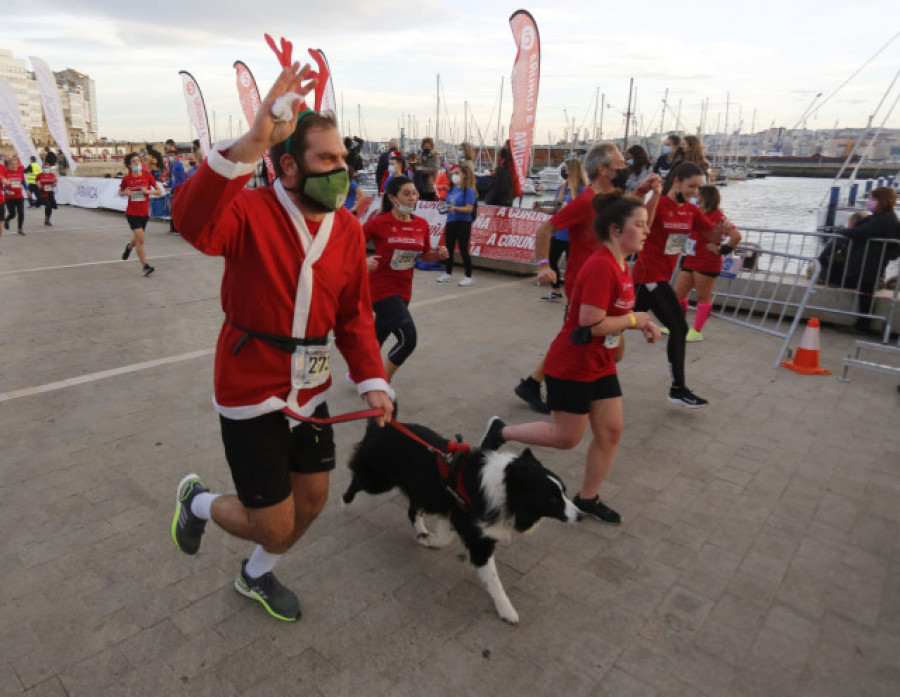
295,275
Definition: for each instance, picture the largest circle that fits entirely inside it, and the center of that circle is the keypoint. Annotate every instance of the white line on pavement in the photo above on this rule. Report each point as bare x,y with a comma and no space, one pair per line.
90,263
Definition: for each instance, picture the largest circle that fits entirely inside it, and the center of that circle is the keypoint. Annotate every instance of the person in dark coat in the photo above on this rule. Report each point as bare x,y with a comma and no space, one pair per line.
501,193
867,260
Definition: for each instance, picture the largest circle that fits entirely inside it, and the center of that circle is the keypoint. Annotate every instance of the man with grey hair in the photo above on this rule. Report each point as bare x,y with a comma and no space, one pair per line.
602,165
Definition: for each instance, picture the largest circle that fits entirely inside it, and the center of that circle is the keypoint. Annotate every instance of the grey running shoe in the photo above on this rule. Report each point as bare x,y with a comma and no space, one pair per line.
279,602
187,529
683,397
493,436
598,509
530,391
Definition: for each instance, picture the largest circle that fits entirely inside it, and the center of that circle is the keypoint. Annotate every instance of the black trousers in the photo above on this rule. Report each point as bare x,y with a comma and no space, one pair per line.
663,302
459,232
557,249
14,207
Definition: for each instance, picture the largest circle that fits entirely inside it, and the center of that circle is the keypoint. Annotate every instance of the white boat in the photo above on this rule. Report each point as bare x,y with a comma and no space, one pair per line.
550,178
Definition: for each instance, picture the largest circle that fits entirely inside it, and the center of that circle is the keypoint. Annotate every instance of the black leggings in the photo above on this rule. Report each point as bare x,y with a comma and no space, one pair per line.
392,317
49,202
458,231
664,304
557,249
15,206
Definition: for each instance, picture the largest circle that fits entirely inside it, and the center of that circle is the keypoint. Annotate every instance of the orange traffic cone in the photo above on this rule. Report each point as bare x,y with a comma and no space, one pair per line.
806,359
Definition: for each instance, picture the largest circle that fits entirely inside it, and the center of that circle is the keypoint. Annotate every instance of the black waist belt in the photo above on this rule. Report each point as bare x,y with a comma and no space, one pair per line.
288,344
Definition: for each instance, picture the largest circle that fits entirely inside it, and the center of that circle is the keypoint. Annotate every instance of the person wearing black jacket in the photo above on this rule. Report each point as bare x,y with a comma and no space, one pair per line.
354,152
668,155
384,162
501,193
867,260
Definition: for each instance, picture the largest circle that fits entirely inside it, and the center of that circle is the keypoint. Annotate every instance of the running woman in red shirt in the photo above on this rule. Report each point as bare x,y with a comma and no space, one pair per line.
580,367
46,183
702,261
400,238
138,185
675,219
14,181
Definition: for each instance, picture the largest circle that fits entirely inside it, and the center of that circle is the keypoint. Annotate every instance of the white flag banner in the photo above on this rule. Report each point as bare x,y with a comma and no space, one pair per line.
11,121
196,109
56,122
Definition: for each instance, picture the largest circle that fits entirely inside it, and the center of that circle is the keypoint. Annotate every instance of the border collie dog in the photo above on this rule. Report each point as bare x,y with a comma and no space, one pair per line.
484,496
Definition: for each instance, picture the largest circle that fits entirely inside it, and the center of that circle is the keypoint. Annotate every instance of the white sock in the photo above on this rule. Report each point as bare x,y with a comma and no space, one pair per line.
260,562
202,503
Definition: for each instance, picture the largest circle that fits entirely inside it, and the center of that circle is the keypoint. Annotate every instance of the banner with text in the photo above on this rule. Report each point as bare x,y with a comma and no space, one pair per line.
325,100
196,109
526,76
499,233
248,93
11,122
53,113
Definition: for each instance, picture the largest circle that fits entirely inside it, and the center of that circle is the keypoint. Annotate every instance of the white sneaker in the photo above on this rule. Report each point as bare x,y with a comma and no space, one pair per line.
467,281
444,277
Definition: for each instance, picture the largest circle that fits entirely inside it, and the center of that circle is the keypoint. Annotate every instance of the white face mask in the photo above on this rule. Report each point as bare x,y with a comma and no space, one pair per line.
460,154
404,210
456,179
135,168
694,200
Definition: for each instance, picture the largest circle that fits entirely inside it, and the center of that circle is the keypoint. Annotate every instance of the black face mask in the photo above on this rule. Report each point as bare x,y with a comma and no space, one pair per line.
564,173
621,178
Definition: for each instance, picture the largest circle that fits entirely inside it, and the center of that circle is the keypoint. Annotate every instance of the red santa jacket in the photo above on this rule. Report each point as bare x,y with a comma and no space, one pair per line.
280,280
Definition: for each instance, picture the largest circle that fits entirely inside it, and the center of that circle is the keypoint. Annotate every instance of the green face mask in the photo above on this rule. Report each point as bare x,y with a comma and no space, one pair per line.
329,189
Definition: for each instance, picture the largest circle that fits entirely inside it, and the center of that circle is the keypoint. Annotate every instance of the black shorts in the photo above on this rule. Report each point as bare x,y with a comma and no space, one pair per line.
575,397
711,274
263,451
138,222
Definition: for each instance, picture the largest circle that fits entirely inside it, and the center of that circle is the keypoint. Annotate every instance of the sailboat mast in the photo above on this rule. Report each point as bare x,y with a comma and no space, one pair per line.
596,104
628,113
602,109
499,120
437,117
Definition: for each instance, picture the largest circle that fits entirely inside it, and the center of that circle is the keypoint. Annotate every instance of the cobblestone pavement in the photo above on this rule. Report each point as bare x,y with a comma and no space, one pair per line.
759,553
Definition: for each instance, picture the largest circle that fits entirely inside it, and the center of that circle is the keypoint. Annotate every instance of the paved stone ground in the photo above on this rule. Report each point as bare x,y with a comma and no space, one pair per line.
759,553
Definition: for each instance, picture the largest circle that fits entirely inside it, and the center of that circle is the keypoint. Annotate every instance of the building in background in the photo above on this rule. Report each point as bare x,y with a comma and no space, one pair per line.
77,95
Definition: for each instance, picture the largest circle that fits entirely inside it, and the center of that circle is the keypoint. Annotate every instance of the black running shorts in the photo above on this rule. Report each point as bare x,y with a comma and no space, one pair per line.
575,397
264,451
138,222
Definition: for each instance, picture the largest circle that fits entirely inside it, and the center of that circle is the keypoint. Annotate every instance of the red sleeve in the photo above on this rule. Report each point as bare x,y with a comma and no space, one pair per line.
370,227
702,223
598,286
572,214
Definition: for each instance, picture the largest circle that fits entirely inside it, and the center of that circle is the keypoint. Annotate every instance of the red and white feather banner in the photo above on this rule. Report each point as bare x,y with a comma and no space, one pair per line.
526,77
248,93
196,109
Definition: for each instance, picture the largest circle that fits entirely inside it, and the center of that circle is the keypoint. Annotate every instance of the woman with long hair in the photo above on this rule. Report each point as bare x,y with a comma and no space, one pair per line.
502,193
693,152
461,201
399,238
675,218
580,368
701,263
569,190
639,166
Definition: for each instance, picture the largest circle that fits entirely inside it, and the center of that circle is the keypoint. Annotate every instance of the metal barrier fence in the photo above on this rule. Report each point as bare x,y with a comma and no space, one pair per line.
772,298
850,291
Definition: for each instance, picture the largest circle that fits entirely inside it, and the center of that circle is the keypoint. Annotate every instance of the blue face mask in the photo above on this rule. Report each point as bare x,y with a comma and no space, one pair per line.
694,200
666,149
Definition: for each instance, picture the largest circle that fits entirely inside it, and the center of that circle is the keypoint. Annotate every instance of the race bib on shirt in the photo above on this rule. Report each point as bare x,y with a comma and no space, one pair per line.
137,195
404,259
611,341
15,184
48,187
675,244
310,366
690,247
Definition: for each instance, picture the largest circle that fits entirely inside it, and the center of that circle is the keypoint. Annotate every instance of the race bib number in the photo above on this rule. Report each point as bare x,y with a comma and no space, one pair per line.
15,184
48,187
690,247
612,341
675,244
310,367
404,259
137,195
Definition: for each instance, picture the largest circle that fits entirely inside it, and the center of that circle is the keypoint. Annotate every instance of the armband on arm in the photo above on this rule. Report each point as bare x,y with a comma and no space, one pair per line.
539,262
725,249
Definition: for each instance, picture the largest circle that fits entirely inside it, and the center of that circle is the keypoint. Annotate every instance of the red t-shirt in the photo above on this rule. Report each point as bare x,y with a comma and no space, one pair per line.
138,201
604,283
16,187
578,217
398,244
668,234
46,182
696,255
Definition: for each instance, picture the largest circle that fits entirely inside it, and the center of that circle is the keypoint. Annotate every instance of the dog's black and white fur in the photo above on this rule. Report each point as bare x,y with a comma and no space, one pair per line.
507,493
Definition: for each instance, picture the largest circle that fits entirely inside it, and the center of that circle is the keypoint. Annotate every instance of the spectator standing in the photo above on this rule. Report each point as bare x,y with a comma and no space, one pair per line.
429,164
639,166
460,206
34,194
668,155
176,177
62,162
354,147
694,152
50,157
501,193
384,162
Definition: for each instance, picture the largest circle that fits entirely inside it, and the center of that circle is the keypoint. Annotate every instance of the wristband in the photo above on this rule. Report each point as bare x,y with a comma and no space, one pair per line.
633,319
725,250
542,261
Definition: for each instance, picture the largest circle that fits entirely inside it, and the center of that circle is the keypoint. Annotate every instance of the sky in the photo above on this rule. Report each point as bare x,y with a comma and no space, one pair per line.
759,63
